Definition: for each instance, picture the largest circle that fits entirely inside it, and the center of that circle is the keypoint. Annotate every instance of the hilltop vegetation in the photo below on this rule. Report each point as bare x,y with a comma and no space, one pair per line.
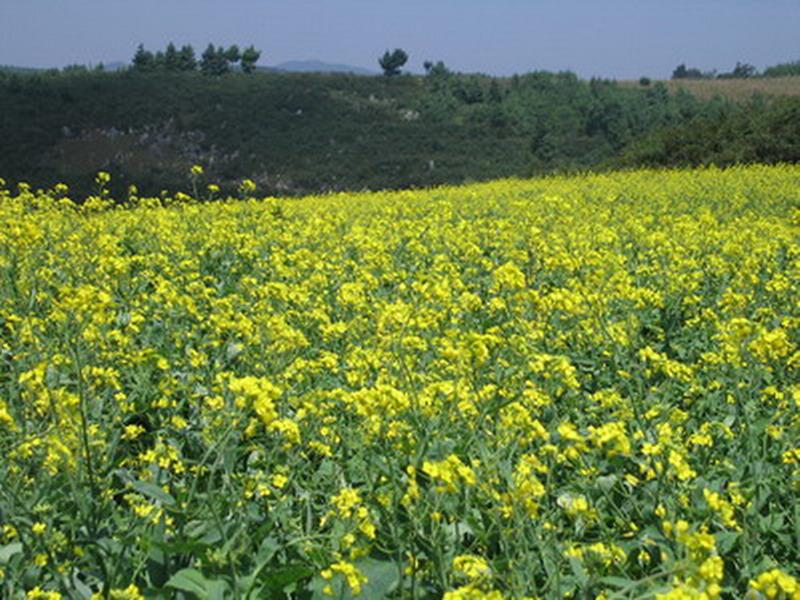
742,70
301,133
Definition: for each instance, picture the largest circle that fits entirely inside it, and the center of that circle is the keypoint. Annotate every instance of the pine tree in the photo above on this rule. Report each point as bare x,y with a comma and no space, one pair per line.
213,61
159,61
143,60
249,59
171,60
232,54
186,59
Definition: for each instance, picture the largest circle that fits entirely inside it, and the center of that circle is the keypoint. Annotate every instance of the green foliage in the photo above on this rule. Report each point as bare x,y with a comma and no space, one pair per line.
249,59
171,59
232,54
740,71
758,131
143,60
683,72
787,69
214,61
186,59
468,89
392,62
495,94
436,70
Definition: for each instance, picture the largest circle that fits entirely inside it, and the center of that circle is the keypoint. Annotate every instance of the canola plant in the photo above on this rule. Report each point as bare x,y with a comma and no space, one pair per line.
576,387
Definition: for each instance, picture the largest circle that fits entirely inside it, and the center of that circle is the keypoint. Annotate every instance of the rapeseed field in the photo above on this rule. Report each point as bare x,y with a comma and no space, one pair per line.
581,387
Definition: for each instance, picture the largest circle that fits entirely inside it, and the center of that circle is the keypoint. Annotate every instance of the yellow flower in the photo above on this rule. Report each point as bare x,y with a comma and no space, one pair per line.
247,187
6,420
472,567
777,584
472,592
353,576
130,593
346,502
39,528
680,466
509,277
131,432
722,507
577,506
449,472
38,593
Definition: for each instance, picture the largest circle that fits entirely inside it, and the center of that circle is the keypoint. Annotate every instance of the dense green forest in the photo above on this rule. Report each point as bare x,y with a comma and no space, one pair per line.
297,133
755,132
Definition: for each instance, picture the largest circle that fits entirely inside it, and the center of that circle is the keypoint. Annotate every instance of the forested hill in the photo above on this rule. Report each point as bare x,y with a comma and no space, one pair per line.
295,133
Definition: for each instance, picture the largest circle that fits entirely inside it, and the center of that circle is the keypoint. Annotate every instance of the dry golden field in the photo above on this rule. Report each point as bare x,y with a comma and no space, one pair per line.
738,89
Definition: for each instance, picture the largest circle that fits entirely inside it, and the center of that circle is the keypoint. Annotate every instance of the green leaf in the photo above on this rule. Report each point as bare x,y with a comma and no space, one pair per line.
382,579
382,576
216,590
266,551
726,540
607,482
189,580
581,575
617,582
9,550
278,579
797,525
269,546
153,491
194,582
82,590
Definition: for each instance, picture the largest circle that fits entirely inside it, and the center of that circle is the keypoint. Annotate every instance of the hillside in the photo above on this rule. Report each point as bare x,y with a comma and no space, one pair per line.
296,133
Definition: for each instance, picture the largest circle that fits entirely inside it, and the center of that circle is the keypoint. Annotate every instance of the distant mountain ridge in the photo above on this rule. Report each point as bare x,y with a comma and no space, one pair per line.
21,70
318,66
116,65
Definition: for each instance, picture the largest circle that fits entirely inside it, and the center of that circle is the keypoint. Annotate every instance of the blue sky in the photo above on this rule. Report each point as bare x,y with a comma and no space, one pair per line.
609,38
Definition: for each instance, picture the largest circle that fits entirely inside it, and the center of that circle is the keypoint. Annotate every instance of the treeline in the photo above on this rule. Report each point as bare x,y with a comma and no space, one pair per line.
787,69
213,61
300,133
742,70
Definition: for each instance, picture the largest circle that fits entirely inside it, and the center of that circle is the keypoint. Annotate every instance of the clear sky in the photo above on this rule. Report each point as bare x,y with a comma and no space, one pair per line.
608,38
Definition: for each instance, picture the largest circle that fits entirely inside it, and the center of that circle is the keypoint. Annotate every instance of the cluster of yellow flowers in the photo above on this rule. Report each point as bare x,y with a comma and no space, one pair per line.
574,386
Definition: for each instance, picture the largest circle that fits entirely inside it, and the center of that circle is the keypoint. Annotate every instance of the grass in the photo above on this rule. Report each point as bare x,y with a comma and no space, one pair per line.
735,89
